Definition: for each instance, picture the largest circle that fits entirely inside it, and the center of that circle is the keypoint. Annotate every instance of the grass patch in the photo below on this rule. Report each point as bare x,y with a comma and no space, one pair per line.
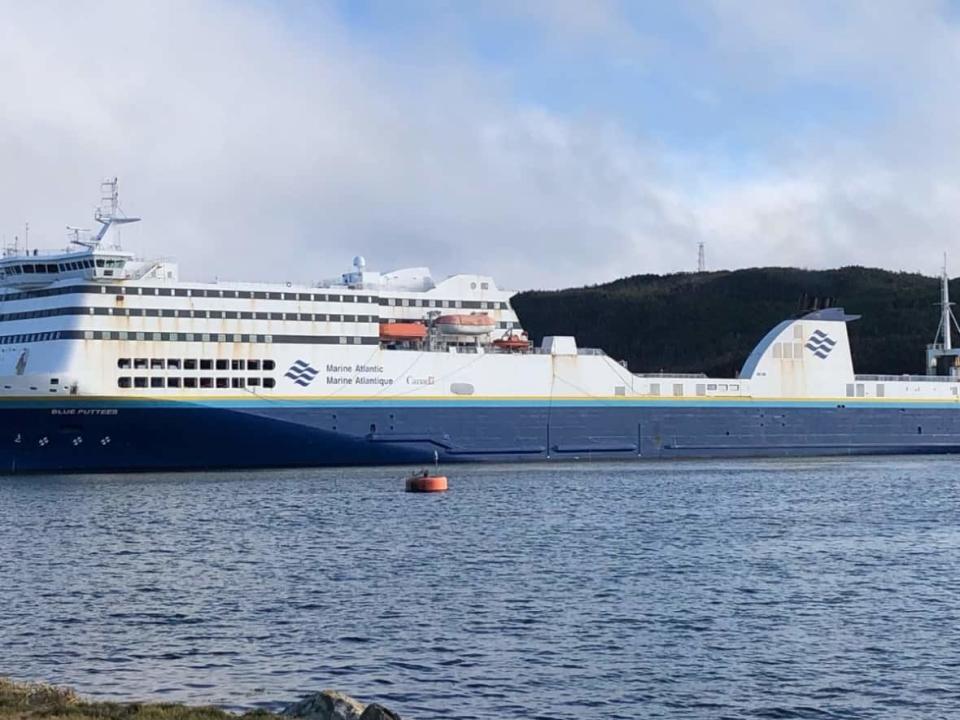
22,701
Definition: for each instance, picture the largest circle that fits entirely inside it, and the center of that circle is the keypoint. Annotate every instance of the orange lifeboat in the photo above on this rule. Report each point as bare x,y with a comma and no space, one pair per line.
513,342
402,331
473,324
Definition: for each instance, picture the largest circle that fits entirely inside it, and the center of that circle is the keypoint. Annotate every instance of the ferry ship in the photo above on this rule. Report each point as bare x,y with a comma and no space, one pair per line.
112,363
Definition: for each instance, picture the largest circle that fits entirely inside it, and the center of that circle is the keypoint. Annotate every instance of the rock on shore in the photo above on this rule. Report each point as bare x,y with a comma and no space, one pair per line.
335,705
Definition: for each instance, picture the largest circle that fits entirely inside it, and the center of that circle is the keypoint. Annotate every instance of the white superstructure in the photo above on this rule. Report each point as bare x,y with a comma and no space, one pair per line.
93,320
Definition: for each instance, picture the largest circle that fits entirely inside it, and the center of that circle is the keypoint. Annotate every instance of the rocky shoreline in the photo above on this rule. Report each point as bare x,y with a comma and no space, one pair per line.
20,700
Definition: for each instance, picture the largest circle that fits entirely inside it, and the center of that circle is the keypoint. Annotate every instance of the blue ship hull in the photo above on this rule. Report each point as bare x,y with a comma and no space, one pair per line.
118,436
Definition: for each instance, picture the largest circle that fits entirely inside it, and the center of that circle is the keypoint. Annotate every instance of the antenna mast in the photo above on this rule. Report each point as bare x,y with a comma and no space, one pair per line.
943,342
946,314
109,211
701,258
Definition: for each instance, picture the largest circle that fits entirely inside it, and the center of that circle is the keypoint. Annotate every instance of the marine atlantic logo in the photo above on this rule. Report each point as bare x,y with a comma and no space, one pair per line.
820,344
302,373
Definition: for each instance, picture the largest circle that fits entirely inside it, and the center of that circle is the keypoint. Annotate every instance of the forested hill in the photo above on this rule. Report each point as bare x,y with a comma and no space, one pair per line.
709,322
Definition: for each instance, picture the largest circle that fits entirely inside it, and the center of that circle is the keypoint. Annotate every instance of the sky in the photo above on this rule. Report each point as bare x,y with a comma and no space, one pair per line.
549,143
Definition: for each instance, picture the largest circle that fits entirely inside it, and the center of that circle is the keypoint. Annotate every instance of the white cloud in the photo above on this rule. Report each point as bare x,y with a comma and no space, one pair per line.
255,151
257,148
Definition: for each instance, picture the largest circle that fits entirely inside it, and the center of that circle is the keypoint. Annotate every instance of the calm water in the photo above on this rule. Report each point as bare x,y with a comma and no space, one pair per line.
821,589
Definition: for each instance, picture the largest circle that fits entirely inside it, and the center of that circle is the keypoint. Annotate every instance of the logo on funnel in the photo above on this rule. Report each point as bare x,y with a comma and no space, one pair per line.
820,344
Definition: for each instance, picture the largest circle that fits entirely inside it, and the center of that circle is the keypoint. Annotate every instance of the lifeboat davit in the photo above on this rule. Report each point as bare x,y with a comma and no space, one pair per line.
473,324
513,342
402,331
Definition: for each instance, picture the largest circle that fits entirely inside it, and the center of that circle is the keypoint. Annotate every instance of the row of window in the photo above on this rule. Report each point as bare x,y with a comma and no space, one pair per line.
194,364
250,295
701,388
195,382
186,313
420,302
196,314
31,337
45,268
189,337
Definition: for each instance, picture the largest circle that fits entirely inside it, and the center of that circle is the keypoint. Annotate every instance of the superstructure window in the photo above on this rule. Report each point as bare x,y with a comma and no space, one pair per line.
237,382
173,363
206,364
140,382
222,364
123,363
237,364
140,364
206,382
269,382
124,382
223,382
190,364
190,382
156,382
253,382
156,364
253,364
173,382
269,365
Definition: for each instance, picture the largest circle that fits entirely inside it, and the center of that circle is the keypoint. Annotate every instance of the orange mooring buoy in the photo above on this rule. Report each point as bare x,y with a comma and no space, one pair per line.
424,483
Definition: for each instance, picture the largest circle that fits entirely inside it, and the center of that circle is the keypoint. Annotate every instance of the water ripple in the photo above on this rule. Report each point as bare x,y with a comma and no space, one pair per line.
798,589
